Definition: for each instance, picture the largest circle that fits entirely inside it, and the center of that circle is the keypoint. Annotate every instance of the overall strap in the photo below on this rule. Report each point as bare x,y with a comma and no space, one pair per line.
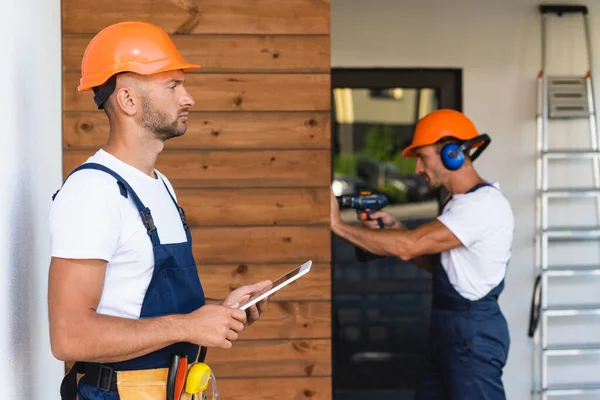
474,188
181,212
125,189
478,186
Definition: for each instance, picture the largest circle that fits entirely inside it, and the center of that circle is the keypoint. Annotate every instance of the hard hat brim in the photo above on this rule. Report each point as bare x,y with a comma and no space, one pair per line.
151,68
410,151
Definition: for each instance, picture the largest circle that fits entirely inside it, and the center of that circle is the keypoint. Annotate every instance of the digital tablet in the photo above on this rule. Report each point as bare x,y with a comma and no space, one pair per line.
278,284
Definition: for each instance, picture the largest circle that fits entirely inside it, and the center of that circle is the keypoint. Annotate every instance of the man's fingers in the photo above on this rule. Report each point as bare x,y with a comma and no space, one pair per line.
378,214
261,305
253,313
231,335
371,224
255,287
248,290
236,325
238,315
243,300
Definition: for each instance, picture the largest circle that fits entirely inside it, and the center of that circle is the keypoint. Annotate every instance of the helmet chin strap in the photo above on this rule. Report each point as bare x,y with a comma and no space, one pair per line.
103,92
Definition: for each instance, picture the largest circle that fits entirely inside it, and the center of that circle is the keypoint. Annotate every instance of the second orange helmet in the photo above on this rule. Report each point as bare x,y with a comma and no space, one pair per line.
439,124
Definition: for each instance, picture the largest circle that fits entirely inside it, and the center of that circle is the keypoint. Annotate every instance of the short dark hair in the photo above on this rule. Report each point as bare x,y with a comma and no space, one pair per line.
103,92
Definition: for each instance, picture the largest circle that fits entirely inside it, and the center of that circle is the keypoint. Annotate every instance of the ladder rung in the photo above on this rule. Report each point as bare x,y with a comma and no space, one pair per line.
575,192
570,154
572,270
573,389
572,349
572,310
572,233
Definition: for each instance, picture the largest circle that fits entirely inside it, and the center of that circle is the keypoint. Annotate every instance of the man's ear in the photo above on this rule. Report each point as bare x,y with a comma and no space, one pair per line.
126,101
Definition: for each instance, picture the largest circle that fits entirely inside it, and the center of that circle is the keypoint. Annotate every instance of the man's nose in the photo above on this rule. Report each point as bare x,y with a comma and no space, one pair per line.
187,100
418,166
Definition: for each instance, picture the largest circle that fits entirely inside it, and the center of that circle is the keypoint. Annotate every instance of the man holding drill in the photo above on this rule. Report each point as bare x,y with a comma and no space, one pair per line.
125,298
466,249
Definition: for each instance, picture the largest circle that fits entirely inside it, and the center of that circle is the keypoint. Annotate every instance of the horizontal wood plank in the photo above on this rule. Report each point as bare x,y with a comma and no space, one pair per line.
272,358
292,320
219,130
268,168
219,280
250,206
232,92
232,53
201,16
275,389
262,244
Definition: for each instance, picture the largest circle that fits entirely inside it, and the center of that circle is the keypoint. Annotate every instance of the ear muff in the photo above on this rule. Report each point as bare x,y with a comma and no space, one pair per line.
453,155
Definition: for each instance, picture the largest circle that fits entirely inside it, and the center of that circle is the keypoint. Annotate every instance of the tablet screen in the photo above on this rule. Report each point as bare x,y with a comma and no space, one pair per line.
280,281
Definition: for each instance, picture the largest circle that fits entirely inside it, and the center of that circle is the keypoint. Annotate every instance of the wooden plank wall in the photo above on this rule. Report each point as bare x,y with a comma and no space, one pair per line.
252,171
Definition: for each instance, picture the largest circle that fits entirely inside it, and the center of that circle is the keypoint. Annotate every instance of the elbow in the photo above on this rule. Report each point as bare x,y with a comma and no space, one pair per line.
59,350
63,345
408,248
405,255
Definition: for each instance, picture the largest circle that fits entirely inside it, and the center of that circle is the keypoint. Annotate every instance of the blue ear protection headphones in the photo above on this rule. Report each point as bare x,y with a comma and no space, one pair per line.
453,154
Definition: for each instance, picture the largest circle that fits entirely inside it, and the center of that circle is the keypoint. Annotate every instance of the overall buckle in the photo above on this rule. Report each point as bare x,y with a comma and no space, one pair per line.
147,219
182,216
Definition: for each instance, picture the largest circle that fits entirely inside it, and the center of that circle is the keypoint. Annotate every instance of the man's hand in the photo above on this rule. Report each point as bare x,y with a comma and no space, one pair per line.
389,221
214,326
241,295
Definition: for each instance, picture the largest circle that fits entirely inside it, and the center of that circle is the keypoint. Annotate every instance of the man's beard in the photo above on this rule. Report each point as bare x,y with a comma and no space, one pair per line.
157,122
430,184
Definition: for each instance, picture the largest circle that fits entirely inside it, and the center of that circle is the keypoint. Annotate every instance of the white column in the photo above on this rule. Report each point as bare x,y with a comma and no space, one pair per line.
30,172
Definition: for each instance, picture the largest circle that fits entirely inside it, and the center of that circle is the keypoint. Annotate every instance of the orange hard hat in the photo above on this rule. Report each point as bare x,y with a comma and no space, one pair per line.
439,124
130,46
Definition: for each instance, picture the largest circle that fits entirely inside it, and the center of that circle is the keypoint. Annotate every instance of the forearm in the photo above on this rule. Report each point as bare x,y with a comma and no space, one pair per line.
426,262
394,242
427,239
102,338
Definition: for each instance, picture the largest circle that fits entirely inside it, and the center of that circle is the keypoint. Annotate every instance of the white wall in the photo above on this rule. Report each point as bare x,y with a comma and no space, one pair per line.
497,45
30,172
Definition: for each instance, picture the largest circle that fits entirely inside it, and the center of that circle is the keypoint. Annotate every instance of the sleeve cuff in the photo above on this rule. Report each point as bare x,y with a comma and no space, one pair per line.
81,255
460,237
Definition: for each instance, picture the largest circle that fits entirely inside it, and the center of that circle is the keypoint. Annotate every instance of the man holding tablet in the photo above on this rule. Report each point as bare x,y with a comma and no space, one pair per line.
125,299
469,340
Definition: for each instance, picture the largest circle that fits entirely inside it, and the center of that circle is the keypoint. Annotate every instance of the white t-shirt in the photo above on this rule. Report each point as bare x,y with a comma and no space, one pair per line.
90,219
484,223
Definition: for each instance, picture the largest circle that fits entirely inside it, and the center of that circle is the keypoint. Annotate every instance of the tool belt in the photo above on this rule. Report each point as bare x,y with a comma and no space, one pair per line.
181,381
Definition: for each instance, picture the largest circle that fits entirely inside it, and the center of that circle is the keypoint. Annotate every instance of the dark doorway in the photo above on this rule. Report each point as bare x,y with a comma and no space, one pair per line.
380,308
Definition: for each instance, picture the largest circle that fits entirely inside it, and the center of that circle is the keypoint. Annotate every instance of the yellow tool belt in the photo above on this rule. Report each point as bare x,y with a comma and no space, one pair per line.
151,384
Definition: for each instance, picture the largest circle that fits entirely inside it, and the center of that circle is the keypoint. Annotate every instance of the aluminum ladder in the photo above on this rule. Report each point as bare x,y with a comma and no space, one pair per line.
566,98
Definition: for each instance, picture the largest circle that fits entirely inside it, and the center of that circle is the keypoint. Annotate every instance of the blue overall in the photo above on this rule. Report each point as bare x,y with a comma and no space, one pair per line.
469,343
174,289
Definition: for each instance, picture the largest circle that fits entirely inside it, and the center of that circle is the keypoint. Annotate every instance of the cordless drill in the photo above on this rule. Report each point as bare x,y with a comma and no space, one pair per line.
365,205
